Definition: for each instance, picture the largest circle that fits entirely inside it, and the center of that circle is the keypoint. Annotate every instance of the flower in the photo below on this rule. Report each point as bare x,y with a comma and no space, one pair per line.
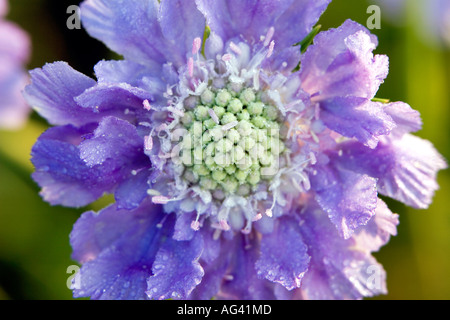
234,176
14,53
431,18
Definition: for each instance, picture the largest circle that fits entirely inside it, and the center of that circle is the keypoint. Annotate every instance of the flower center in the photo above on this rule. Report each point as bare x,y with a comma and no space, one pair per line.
233,141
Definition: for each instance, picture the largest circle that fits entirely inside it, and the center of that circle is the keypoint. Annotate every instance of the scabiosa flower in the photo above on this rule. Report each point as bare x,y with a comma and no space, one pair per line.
14,53
234,175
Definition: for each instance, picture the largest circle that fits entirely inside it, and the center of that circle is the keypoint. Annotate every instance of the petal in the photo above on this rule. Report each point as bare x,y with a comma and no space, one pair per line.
340,63
133,190
52,94
241,281
349,198
181,22
129,28
64,177
358,118
339,268
406,119
118,99
292,20
284,258
118,248
379,229
406,167
115,140
176,271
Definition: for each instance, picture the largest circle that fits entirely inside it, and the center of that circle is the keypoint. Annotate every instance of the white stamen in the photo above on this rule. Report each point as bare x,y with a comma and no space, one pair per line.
230,125
160,199
235,48
147,105
269,213
228,277
224,225
256,81
195,225
257,217
270,52
196,45
227,57
176,111
191,67
153,192
213,116
269,36
148,142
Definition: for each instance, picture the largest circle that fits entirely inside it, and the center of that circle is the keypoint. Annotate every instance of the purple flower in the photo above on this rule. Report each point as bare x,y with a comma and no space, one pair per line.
14,53
234,176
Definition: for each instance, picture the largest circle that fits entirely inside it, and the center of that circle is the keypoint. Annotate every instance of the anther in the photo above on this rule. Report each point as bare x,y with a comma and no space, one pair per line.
148,142
147,105
213,116
227,57
191,67
269,36
230,125
235,48
270,52
160,199
196,45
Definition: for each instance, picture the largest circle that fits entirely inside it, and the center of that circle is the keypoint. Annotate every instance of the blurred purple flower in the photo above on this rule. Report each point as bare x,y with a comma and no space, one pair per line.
234,177
431,17
14,53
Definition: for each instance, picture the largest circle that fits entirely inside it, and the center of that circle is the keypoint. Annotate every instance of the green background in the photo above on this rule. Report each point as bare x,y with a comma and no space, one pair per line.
34,243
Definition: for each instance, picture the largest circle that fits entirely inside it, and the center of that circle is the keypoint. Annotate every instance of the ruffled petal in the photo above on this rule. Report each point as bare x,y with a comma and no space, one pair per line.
181,22
378,230
52,94
176,271
284,258
132,28
292,20
64,177
406,167
339,268
358,118
117,249
340,63
349,198
15,46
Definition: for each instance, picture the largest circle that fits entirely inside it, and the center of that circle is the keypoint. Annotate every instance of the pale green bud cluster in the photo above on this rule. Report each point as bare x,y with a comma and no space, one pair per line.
233,140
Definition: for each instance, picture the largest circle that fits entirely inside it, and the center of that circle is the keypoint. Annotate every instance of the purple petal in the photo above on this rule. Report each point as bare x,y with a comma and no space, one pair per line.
52,94
349,198
379,229
339,268
64,177
406,167
176,271
284,258
357,118
183,230
115,140
406,119
117,249
181,23
241,281
340,63
292,20
119,99
133,190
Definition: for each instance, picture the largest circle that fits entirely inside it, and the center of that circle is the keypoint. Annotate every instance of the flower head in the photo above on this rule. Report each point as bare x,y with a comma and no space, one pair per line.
234,175
14,53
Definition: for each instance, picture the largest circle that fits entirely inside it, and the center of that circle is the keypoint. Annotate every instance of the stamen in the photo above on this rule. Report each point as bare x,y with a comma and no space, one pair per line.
270,52
147,105
160,199
191,67
227,57
176,111
257,217
196,45
213,116
269,36
235,48
230,125
195,225
148,142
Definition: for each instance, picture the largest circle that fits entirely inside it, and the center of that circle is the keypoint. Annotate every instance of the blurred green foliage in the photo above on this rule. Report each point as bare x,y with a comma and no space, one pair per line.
34,236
